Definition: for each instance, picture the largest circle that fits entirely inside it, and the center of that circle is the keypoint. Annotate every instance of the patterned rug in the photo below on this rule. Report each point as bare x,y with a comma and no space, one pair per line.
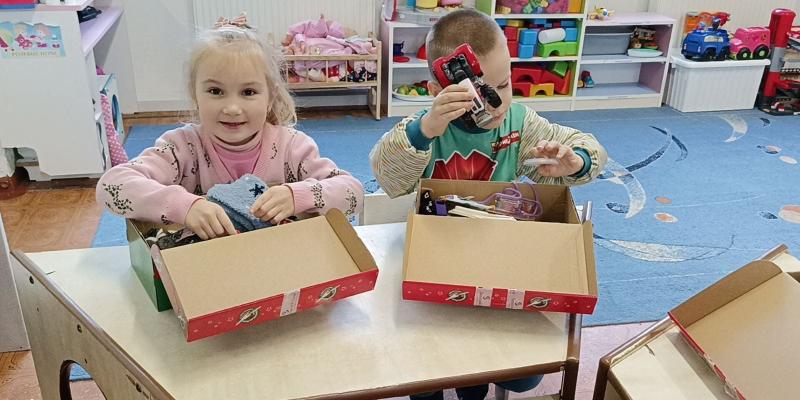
685,198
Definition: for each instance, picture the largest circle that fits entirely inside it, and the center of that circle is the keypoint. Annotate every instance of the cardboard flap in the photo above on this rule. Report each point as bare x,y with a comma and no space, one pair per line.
497,254
753,338
724,291
226,272
588,245
349,238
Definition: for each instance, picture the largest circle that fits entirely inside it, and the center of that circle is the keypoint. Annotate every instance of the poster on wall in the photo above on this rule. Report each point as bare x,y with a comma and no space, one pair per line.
25,40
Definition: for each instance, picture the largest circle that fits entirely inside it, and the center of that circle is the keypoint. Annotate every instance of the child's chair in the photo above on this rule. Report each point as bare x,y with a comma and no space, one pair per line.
380,209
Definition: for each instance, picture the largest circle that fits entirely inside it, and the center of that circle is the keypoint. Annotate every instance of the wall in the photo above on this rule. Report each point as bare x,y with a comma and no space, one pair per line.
161,31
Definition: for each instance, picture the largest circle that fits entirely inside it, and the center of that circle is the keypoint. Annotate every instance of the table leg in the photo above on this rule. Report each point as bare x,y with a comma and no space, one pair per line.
60,333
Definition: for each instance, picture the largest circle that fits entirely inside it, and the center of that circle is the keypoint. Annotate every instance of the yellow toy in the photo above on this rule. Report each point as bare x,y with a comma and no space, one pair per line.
601,13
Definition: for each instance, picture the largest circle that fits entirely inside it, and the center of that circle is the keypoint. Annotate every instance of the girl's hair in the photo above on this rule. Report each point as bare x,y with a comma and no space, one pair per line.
242,43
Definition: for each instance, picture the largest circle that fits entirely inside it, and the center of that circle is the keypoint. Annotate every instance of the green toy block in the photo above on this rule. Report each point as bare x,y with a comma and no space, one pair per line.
560,68
528,9
558,49
485,6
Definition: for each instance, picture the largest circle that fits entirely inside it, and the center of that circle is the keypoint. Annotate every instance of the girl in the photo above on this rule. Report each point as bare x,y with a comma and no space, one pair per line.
245,113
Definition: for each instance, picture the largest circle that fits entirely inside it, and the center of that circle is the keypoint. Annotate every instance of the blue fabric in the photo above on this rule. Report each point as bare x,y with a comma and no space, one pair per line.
415,136
237,197
587,162
727,179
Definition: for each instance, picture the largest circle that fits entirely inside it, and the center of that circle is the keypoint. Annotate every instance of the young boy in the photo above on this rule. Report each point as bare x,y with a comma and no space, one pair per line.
434,144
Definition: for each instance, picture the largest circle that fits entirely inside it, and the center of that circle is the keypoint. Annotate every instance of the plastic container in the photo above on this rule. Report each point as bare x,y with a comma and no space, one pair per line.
607,40
713,85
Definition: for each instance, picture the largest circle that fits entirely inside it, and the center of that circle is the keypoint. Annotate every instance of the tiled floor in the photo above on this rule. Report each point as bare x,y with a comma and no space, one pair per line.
66,218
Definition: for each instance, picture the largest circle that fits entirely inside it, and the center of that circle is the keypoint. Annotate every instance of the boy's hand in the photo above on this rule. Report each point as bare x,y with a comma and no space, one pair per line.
449,104
275,205
569,163
208,220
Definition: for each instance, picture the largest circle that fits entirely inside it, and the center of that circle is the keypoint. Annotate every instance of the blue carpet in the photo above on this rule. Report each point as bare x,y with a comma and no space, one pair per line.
685,199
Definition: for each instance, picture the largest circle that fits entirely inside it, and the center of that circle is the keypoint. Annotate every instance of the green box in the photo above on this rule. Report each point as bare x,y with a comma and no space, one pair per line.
142,263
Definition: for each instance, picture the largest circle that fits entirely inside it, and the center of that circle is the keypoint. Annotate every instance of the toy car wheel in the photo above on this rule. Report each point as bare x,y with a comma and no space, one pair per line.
723,54
761,52
709,54
744,54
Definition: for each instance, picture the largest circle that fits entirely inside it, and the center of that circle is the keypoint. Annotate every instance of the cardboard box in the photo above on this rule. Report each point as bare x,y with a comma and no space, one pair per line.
745,327
228,283
543,265
142,263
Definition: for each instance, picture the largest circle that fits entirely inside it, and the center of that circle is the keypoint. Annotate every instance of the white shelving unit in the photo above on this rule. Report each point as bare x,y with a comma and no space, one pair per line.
55,101
623,81
632,81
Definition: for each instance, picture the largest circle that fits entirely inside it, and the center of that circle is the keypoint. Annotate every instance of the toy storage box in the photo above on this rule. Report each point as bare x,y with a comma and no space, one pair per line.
607,40
713,85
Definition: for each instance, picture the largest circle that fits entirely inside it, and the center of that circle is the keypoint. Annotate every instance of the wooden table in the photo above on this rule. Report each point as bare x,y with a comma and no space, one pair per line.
87,306
657,364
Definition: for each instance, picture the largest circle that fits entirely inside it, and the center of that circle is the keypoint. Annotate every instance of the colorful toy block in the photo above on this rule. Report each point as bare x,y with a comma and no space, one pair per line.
526,50
515,22
503,10
528,9
511,32
539,21
501,21
547,88
513,48
521,89
560,68
526,74
571,34
558,49
528,36
561,85
568,23
552,35
575,6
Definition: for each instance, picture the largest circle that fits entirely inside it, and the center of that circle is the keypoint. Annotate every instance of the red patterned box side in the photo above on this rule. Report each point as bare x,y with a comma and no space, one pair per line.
696,346
280,305
498,298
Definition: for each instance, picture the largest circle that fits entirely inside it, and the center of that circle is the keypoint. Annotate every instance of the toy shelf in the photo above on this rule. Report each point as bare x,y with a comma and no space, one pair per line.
94,29
538,16
633,89
619,59
64,7
621,81
632,19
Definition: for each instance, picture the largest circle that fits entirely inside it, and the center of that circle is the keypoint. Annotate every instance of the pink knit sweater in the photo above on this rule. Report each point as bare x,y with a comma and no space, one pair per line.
162,183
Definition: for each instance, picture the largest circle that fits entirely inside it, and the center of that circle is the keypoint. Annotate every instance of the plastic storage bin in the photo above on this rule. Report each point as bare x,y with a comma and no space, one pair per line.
713,85
607,40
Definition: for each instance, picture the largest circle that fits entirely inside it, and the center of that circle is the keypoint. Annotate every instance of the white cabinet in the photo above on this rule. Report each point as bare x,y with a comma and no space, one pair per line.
51,99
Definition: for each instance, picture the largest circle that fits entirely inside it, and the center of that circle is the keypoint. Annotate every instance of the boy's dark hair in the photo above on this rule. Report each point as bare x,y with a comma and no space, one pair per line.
459,27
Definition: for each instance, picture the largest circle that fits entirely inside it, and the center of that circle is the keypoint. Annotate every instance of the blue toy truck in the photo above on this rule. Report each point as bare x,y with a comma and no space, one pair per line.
707,44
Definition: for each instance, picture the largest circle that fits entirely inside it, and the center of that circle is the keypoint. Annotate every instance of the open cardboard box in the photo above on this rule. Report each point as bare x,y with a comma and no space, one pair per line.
746,328
543,265
228,283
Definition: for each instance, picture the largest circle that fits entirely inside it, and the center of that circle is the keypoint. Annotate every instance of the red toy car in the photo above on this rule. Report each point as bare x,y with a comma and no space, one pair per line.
750,43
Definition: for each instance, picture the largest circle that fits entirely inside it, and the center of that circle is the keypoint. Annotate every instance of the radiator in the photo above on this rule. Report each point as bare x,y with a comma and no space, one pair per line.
275,16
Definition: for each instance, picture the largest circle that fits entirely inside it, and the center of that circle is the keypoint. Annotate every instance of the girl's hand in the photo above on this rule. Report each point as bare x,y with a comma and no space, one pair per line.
275,205
569,163
208,220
